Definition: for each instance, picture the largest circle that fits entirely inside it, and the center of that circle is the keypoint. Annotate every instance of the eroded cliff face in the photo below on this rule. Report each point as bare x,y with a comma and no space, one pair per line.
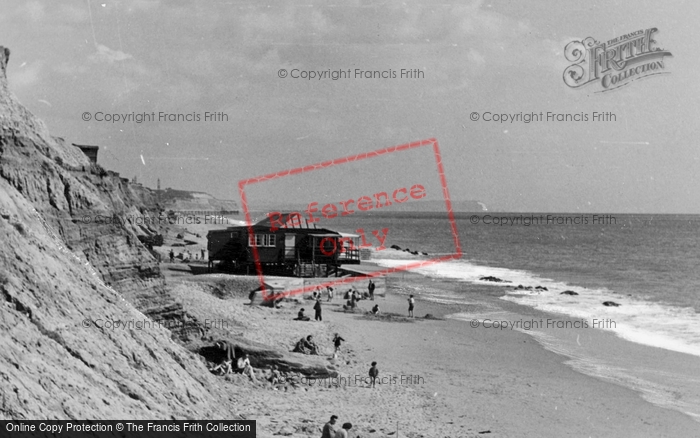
59,271
92,211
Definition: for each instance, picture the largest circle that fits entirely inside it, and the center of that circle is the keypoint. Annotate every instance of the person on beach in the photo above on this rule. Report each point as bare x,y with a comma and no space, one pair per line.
330,293
329,428
337,340
172,256
306,346
246,368
373,373
375,309
343,432
301,316
317,308
229,355
371,287
275,376
411,304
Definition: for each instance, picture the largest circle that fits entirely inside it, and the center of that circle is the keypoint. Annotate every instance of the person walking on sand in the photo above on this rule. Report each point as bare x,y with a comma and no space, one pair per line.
411,303
172,256
330,293
337,340
371,287
329,428
373,373
317,308
343,432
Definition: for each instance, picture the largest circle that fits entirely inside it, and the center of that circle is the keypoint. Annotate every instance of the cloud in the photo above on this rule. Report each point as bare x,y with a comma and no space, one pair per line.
105,54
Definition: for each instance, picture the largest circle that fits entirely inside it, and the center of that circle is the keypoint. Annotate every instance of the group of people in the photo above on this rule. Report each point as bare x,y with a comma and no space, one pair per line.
330,430
306,346
301,316
226,365
318,293
186,255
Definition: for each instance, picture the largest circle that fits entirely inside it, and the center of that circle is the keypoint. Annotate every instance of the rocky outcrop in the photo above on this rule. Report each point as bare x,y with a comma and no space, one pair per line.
70,341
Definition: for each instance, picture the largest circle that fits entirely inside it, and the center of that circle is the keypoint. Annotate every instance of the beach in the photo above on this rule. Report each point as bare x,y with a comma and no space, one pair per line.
442,377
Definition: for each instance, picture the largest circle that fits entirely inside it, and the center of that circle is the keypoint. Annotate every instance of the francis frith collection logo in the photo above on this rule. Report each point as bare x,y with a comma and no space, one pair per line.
614,63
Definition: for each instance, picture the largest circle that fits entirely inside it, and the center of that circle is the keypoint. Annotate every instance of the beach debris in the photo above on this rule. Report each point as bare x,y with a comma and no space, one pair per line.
521,287
485,431
568,292
611,304
541,288
496,280
285,431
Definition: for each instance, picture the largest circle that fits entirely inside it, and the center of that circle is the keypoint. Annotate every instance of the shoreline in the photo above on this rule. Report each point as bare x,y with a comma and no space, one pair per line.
471,380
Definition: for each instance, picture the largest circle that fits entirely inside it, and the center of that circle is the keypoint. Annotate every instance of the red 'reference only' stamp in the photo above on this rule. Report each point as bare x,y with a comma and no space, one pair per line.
325,246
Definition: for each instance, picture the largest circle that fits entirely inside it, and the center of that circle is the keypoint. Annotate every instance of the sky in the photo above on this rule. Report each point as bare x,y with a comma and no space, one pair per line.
193,57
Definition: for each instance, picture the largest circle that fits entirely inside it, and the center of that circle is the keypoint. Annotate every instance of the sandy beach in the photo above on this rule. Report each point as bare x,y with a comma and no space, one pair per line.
442,378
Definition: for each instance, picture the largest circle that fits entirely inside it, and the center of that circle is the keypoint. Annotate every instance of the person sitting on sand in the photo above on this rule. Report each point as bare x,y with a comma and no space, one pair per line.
301,316
343,432
312,345
375,309
329,428
246,368
222,369
275,376
229,355
306,346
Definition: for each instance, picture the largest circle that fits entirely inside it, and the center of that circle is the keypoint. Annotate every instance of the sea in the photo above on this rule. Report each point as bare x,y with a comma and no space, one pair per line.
648,264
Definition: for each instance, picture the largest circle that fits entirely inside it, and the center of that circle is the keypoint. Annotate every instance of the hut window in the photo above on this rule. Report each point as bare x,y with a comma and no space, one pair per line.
261,240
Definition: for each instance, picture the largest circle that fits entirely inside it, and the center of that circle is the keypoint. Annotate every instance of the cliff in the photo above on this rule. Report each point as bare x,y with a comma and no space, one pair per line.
61,269
188,201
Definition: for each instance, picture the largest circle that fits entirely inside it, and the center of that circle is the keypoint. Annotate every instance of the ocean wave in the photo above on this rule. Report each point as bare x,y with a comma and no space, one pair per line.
637,320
